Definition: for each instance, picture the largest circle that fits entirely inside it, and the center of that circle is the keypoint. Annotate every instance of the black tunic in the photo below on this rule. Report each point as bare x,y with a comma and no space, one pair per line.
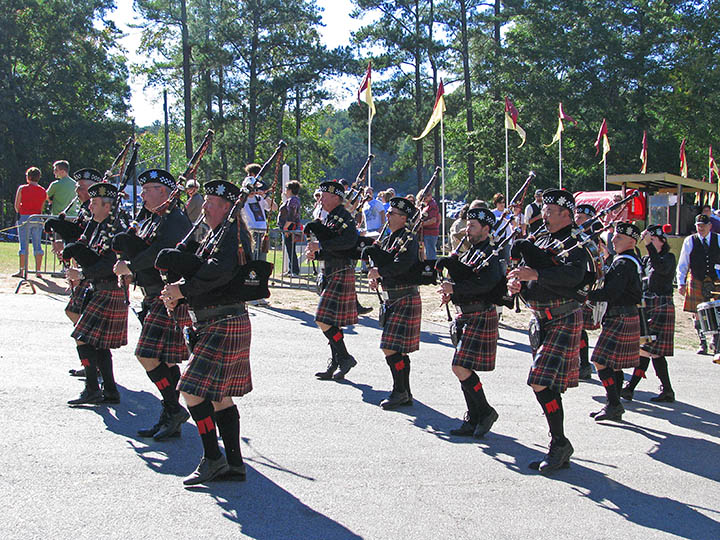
478,288
337,248
395,272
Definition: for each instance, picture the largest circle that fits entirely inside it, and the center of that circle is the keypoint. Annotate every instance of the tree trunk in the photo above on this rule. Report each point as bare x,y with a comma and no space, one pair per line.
221,118
418,101
187,80
468,94
253,89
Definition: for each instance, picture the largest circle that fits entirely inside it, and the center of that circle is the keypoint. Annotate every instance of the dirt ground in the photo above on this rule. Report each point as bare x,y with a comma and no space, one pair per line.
306,300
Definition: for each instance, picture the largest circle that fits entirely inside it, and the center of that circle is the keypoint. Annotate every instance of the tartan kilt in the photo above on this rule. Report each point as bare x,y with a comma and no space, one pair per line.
587,312
478,344
694,295
337,306
160,338
556,363
220,362
661,322
402,325
74,305
618,346
104,322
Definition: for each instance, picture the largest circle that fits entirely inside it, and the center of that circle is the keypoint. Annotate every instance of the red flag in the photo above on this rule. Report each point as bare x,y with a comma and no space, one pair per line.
602,137
644,154
683,160
567,117
511,117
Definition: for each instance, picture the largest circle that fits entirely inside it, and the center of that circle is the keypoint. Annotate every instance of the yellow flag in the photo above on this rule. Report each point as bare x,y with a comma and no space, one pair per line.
511,116
365,92
437,114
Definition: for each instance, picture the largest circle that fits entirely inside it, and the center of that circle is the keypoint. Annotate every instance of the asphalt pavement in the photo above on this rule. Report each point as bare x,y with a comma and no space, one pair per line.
325,462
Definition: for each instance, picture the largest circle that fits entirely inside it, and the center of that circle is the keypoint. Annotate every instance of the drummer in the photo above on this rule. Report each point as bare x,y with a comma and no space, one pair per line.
699,256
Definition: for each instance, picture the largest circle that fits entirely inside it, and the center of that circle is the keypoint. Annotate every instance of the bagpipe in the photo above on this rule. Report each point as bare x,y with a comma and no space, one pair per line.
250,281
580,237
81,250
278,157
422,272
355,198
129,243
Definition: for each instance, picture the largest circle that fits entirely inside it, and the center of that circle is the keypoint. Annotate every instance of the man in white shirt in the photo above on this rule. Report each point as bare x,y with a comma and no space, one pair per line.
700,256
533,213
373,212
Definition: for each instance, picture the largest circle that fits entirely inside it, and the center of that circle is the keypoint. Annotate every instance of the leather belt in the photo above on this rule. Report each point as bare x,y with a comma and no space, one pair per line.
105,285
466,309
556,312
394,294
216,312
333,265
616,311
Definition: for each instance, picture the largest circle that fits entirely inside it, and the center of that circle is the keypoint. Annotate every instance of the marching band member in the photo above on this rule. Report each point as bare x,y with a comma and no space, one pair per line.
476,323
102,325
550,290
403,307
161,346
219,366
659,265
337,306
618,346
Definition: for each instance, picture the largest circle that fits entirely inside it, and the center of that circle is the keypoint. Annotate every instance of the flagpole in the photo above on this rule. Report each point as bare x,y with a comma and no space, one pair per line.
369,175
507,166
560,159
709,178
604,174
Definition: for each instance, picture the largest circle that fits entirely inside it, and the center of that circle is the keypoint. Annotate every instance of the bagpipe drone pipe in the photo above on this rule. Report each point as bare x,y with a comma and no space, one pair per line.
459,272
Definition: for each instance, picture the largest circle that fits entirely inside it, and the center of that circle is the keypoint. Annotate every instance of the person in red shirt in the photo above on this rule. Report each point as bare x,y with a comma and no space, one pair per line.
430,227
30,199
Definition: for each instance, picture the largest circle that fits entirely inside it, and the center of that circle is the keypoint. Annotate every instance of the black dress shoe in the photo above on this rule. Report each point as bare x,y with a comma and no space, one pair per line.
485,423
111,396
328,373
151,431
466,429
665,396
363,310
236,472
87,397
558,457
77,372
610,412
586,372
344,365
171,426
207,470
626,393
394,400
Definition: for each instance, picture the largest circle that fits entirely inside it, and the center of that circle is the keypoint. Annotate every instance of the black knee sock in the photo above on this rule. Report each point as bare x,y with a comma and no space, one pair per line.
175,371
105,365
203,416
228,423
406,373
397,367
471,407
551,403
639,372
88,358
607,376
337,341
475,389
163,378
584,349
661,370
619,379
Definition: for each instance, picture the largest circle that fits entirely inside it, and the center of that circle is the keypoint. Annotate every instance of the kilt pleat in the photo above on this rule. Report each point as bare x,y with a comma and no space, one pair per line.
478,345
402,326
588,323
75,302
103,324
160,338
618,346
219,365
556,363
337,306
694,295
660,312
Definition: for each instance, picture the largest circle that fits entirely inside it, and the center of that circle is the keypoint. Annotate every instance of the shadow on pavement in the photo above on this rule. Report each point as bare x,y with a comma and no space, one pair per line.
264,510
679,413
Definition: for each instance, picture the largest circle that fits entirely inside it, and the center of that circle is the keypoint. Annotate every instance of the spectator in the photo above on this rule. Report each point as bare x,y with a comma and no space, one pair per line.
386,196
256,208
457,229
533,213
714,221
518,221
30,199
318,212
289,220
499,202
62,191
195,200
410,197
373,212
478,203
430,226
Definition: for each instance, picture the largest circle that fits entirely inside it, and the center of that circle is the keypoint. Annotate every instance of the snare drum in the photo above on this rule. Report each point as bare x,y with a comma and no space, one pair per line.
709,317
